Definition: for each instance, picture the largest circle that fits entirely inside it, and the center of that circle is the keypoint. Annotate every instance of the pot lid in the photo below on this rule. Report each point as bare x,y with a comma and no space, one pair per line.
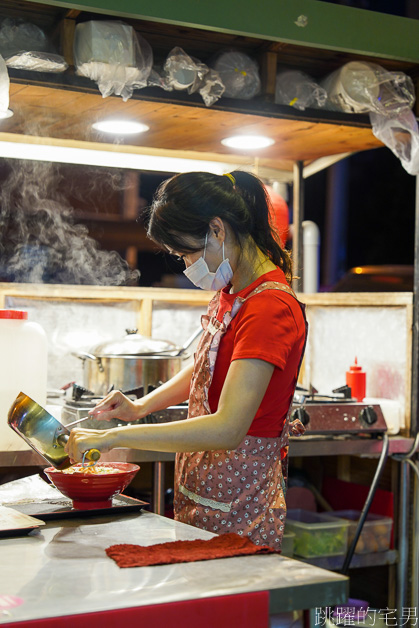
134,344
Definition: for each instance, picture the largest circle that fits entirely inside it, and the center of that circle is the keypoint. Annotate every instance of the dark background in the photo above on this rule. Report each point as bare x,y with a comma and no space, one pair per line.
377,203
377,212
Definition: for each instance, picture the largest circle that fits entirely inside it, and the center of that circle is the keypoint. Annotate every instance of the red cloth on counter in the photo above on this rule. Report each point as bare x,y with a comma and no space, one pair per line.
222,546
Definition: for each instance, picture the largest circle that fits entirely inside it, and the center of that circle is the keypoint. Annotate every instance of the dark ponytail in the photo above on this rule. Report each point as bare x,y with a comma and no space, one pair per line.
185,204
263,230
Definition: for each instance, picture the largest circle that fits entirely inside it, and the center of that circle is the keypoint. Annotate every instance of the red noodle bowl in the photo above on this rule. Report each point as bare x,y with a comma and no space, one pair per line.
90,489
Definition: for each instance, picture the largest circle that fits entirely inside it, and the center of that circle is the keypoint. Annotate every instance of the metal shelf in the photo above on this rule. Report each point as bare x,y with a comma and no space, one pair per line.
335,563
349,445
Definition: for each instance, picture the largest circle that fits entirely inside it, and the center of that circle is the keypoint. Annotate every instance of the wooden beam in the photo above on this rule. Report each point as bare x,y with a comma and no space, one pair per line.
131,195
268,65
90,293
145,322
368,299
67,29
130,207
322,163
72,14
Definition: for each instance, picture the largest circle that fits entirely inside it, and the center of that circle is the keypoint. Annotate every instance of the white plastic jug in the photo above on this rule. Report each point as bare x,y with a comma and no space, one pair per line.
23,367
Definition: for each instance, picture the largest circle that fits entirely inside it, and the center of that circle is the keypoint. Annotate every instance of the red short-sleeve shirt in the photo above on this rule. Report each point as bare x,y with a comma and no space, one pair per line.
269,326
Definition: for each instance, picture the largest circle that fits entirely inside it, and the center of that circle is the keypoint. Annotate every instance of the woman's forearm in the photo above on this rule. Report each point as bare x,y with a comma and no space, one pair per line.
172,392
202,433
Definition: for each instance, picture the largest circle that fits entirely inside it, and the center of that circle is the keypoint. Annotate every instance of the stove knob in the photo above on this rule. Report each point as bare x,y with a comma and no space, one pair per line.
367,416
302,414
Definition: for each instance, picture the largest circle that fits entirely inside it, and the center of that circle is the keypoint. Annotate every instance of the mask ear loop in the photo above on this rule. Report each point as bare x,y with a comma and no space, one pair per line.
205,247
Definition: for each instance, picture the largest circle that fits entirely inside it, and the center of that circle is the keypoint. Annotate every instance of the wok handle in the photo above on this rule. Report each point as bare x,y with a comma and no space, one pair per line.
91,454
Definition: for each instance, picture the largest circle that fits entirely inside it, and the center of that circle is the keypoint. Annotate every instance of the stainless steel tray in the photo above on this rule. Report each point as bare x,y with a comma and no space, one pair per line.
7,534
62,508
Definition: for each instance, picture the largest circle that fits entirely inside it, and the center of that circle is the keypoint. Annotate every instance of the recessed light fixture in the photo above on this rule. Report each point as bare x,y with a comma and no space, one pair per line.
249,142
6,114
120,127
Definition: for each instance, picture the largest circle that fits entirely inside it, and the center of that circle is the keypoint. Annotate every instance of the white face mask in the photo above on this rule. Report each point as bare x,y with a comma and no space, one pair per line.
200,274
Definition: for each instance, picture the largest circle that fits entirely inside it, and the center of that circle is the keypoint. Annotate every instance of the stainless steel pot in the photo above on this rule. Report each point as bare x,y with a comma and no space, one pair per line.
132,362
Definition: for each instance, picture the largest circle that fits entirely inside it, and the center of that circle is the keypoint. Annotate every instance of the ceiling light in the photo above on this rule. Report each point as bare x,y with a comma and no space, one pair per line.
249,142
109,158
120,127
6,114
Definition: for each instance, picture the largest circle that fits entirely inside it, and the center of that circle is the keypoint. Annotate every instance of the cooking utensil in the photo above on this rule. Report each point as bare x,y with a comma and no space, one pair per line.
43,432
132,362
95,490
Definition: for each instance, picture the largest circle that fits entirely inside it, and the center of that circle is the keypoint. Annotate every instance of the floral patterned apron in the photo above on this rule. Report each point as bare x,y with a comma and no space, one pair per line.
241,490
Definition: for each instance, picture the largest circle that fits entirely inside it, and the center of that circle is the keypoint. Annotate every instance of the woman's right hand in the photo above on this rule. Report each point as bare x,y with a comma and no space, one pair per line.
117,406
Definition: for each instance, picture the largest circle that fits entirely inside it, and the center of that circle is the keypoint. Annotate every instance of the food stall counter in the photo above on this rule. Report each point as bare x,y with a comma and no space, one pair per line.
60,575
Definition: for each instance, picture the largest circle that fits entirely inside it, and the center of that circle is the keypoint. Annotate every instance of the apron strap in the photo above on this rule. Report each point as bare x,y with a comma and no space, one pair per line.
272,285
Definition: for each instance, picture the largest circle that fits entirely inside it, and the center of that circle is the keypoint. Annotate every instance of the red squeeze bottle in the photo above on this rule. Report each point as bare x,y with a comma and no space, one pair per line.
356,380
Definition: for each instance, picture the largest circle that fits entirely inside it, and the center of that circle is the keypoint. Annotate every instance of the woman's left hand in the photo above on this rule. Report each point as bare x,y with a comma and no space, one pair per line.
80,440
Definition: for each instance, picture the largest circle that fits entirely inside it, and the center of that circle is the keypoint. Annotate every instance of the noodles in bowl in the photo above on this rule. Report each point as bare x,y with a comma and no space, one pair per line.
90,489
94,469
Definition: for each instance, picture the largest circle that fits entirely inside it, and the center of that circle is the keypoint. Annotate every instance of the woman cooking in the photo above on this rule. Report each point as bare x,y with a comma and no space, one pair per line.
231,461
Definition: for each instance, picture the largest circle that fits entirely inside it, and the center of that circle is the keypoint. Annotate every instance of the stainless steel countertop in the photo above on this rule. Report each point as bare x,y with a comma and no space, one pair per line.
63,570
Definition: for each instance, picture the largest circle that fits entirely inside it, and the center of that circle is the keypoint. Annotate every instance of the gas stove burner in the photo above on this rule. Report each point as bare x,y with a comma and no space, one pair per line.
79,391
343,394
336,414
339,418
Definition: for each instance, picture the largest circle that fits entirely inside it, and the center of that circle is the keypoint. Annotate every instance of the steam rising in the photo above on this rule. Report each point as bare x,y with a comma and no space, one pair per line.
39,240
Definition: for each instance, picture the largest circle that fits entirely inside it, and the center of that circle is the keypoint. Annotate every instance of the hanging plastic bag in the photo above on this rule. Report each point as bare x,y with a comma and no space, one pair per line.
4,87
298,90
359,87
113,55
401,135
239,74
397,92
24,46
18,35
37,62
181,72
212,88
